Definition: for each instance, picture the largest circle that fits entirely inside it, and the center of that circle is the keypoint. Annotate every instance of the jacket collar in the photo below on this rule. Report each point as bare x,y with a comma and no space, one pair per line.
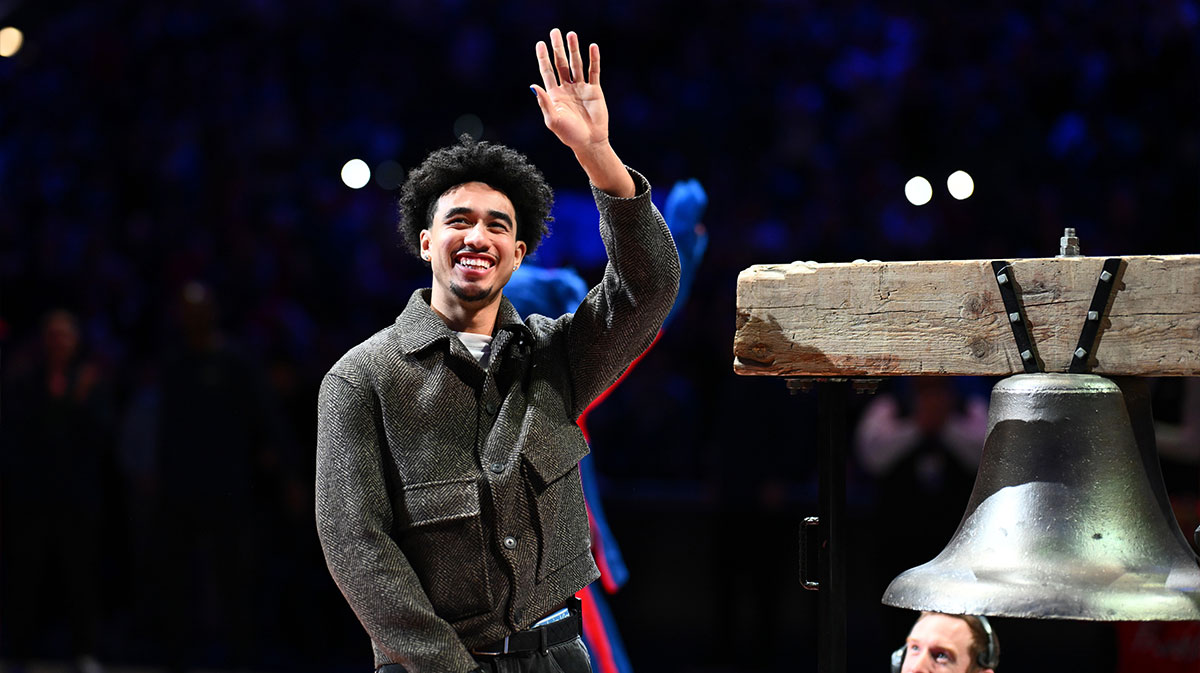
420,327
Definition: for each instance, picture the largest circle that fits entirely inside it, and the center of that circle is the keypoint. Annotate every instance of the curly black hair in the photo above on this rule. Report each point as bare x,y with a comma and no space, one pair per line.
501,168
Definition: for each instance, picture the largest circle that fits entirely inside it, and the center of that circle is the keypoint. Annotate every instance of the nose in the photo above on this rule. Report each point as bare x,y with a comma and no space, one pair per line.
476,237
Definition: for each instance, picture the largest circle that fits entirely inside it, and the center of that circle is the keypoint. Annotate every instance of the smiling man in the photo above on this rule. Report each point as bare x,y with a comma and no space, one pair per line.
942,643
449,502
471,242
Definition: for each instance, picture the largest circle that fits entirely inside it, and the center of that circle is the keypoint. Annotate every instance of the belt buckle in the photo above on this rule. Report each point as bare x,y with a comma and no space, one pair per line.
494,654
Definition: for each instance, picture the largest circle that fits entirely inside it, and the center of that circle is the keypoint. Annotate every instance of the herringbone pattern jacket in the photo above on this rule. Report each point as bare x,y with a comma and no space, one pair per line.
449,503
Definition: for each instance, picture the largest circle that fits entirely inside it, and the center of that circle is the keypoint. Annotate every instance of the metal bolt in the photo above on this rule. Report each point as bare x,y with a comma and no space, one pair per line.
1014,317
1068,245
1026,355
1093,315
865,386
797,386
1080,353
1002,278
1105,276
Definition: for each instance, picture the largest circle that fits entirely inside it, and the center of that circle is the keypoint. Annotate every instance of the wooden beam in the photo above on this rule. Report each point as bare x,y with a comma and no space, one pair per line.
947,317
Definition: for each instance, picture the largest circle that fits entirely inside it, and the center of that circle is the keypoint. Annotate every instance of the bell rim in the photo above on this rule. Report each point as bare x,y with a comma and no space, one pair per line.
928,589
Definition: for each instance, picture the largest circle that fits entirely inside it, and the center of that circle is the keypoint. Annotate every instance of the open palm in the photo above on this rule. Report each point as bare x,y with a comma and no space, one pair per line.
572,106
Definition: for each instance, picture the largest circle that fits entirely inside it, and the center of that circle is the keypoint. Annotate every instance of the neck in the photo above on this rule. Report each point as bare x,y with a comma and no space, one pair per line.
475,318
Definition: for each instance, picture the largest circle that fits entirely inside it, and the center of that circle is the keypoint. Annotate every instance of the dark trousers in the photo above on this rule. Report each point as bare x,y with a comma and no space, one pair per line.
568,657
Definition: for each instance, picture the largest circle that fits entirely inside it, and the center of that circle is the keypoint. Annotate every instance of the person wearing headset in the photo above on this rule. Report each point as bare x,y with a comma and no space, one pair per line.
942,643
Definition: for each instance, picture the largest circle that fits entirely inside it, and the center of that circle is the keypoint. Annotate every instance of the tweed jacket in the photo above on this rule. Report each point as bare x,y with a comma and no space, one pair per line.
449,503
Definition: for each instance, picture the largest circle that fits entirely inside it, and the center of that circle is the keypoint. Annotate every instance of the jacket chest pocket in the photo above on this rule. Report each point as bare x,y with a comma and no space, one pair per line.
561,515
444,542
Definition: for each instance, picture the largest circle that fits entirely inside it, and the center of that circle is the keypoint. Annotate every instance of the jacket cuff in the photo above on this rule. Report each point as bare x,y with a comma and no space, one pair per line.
641,188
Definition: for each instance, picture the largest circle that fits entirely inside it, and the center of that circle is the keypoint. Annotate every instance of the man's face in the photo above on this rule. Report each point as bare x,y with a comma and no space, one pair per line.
938,643
471,245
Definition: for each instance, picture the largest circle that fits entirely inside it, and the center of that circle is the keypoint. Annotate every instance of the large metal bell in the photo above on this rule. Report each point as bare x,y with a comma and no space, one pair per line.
1069,517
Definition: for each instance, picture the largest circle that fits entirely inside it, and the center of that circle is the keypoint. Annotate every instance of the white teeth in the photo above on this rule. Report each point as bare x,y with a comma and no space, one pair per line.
475,263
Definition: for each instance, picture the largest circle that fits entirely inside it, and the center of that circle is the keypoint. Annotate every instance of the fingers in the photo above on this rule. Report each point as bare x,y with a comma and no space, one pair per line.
560,56
576,59
594,64
567,65
542,99
544,67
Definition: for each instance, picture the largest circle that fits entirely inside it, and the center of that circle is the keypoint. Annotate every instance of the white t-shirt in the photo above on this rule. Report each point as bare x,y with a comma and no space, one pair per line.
480,345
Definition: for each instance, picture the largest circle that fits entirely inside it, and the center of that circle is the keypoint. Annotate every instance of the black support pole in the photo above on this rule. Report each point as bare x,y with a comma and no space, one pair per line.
831,467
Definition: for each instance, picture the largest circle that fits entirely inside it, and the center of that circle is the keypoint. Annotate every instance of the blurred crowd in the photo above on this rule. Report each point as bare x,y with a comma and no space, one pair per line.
180,263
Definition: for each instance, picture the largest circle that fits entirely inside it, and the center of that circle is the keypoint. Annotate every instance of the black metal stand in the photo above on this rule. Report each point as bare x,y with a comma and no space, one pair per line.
822,538
831,496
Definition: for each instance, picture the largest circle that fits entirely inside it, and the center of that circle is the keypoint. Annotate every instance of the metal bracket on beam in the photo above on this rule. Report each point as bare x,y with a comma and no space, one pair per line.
1016,317
1085,350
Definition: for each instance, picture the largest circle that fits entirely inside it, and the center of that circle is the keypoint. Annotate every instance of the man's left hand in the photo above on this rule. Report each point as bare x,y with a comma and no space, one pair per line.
573,106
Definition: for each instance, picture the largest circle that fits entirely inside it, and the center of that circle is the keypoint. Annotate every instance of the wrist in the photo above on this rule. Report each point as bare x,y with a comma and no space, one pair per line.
605,169
595,155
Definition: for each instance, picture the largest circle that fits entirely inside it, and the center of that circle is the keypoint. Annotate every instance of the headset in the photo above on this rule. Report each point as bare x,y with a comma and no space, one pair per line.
989,658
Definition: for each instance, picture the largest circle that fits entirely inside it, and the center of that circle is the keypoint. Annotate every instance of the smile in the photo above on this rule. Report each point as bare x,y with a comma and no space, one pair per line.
474,263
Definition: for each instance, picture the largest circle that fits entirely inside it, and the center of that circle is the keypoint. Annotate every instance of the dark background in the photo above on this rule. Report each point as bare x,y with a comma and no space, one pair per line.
148,148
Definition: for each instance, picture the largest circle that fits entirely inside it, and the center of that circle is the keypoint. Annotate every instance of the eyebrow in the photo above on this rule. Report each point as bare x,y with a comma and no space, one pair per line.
494,214
935,647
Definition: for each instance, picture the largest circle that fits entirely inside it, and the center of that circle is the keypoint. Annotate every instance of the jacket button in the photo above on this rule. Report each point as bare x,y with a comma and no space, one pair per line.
498,468
490,407
510,542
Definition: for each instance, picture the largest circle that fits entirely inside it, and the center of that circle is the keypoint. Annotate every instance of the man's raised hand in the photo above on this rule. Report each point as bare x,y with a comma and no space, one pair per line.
574,109
572,105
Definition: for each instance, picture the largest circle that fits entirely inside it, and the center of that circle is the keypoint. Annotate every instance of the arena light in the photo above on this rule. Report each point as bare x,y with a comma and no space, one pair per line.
10,41
356,174
960,184
918,191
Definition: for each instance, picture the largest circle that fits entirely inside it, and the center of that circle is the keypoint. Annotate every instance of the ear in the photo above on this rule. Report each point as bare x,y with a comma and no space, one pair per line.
519,252
426,241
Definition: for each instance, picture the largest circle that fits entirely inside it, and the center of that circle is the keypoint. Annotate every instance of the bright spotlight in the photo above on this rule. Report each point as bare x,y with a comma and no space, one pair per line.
960,185
356,174
10,41
918,191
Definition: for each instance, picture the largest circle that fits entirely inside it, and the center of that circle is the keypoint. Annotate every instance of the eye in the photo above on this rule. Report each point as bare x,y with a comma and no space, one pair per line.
942,657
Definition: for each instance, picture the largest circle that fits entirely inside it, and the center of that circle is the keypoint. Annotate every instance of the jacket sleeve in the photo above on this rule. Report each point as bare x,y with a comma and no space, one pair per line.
620,317
354,520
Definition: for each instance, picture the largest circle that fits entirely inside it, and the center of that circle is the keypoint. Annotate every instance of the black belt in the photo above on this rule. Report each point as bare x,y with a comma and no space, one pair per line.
538,639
